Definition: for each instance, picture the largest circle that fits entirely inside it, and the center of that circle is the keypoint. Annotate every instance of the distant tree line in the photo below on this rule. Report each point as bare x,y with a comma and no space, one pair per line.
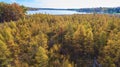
100,10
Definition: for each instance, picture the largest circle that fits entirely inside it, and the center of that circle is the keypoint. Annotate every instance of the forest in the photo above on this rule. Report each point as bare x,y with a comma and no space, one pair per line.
43,40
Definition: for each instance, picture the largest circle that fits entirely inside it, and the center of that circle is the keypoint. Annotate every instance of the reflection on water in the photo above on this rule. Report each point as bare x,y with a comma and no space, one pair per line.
55,12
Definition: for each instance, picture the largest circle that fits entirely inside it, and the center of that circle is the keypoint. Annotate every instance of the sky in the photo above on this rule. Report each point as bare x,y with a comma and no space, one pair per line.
66,3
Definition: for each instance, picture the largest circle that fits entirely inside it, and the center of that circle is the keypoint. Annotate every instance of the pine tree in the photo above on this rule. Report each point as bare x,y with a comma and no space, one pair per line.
4,55
41,57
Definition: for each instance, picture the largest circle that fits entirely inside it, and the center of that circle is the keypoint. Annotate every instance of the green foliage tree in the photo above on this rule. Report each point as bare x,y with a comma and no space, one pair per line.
10,12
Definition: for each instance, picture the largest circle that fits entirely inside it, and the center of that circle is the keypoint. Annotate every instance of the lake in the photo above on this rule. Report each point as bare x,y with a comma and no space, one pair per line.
55,12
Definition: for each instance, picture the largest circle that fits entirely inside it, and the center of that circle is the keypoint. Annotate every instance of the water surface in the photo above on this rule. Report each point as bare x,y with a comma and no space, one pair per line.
55,12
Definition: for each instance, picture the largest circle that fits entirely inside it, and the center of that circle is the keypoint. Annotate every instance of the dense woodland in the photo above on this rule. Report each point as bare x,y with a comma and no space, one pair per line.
42,40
